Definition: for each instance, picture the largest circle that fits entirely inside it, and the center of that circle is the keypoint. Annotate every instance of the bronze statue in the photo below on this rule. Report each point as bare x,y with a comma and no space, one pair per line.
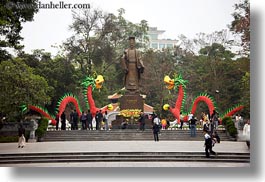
133,67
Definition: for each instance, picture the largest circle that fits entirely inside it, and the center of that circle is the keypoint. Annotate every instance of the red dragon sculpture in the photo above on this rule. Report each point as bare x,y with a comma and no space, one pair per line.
89,84
179,84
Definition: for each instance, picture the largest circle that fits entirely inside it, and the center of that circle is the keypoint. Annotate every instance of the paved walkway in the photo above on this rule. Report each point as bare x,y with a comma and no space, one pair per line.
121,146
125,146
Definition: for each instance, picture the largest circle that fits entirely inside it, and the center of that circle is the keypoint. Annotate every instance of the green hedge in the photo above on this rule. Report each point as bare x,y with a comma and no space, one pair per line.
8,139
230,126
224,120
42,128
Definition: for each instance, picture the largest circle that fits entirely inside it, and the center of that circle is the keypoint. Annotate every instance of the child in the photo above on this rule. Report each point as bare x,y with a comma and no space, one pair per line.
164,124
216,137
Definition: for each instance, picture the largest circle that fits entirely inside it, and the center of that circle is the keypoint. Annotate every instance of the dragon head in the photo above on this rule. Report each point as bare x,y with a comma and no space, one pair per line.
169,82
99,81
93,82
175,82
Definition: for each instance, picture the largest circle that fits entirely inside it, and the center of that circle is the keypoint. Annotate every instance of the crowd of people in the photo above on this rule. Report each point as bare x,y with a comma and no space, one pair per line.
87,121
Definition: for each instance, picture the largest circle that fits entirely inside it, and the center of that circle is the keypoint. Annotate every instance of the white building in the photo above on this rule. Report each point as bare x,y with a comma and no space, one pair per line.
155,42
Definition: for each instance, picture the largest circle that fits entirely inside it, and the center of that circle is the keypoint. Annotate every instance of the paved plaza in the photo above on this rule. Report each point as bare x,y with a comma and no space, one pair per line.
125,146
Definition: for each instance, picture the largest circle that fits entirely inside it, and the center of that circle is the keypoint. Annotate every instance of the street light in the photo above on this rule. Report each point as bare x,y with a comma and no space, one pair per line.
217,96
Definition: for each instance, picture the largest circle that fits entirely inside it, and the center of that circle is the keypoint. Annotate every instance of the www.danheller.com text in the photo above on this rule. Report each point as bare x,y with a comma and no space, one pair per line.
50,5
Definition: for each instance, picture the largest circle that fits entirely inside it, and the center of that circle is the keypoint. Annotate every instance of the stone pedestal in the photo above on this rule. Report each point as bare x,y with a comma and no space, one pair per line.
33,127
131,101
32,137
32,140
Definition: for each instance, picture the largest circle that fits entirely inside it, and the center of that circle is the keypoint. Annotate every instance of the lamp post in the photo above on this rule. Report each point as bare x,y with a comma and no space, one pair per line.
217,96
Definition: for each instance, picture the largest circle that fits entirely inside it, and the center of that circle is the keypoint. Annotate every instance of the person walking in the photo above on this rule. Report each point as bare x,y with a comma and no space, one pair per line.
71,120
21,135
105,120
215,119
193,126
63,121
99,118
94,123
142,121
246,133
237,119
57,119
155,132
157,122
89,120
74,118
181,120
208,144
83,120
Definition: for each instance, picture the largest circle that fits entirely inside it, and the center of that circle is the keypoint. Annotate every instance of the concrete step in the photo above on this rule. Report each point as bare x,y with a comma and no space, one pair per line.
122,157
113,135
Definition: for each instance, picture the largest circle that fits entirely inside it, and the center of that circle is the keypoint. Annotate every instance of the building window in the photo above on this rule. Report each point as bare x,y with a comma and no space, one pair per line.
153,36
169,45
154,45
161,46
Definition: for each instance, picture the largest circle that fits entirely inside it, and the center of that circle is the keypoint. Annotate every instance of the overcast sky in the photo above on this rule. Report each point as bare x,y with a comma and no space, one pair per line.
188,17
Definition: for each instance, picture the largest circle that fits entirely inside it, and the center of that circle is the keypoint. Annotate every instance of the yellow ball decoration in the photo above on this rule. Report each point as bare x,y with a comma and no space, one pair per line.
166,107
110,107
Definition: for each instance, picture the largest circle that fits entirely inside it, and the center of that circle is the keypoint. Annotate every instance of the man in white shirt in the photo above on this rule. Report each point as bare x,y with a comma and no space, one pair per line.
246,133
208,144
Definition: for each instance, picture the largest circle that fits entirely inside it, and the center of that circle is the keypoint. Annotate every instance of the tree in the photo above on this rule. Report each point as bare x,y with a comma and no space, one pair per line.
12,14
245,99
241,24
158,64
216,69
19,85
59,72
101,37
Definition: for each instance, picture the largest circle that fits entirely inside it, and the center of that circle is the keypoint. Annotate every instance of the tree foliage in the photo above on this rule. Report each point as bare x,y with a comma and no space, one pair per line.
157,65
241,24
245,90
12,14
58,71
19,85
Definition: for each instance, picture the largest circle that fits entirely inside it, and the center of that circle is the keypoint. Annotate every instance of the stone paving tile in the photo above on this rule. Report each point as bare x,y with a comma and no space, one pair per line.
131,164
122,146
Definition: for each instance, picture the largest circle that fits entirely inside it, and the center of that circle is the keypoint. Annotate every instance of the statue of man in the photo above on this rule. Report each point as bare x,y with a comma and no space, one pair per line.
133,67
